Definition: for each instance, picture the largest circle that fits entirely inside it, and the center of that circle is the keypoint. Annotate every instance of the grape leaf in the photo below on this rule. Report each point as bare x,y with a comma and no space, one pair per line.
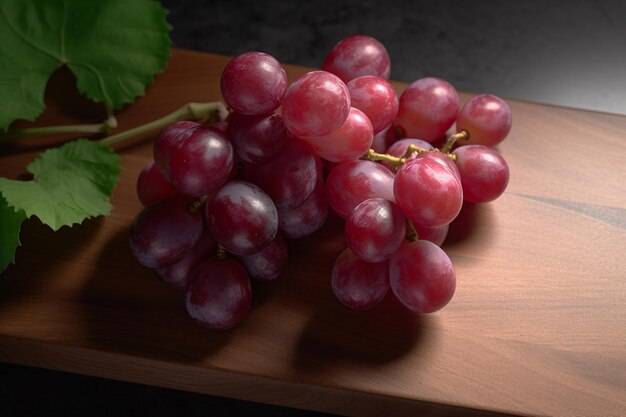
114,47
10,223
70,184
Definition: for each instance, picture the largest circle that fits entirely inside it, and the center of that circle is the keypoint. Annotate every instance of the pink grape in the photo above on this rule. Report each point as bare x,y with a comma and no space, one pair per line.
427,192
164,231
443,159
269,263
315,104
375,229
358,55
357,284
375,97
290,176
257,138
253,83
484,173
167,138
242,217
487,118
152,186
308,217
427,109
422,276
219,295
179,273
349,142
350,183
384,139
201,163
437,235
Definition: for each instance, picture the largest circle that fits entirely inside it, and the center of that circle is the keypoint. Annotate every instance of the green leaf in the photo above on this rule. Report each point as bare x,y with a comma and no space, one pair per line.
10,223
70,184
114,47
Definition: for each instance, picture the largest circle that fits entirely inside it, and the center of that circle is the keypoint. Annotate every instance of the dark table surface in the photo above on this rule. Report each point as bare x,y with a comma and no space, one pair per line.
564,53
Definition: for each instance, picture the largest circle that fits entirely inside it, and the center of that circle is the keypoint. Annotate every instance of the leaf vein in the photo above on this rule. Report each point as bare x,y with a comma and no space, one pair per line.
25,39
101,83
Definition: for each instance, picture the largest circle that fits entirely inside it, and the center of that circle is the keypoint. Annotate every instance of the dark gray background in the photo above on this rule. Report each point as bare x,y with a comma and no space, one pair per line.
570,53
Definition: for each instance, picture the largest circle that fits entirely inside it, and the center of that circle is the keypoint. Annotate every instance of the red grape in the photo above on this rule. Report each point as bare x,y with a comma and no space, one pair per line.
422,276
152,186
164,231
358,55
428,107
427,192
219,295
242,217
487,118
484,173
375,97
359,285
253,83
315,104
375,229
349,142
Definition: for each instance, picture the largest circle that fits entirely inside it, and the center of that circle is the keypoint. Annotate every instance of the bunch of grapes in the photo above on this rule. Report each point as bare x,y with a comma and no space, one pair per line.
221,200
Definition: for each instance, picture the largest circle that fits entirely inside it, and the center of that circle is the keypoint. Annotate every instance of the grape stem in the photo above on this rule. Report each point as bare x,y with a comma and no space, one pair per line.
411,233
195,204
105,127
210,112
220,253
394,161
213,111
447,147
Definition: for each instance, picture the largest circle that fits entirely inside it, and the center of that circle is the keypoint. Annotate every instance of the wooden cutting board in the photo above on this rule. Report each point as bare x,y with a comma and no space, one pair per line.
537,325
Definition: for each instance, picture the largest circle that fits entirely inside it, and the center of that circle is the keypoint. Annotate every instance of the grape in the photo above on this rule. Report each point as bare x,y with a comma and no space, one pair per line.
375,97
400,147
351,141
290,176
427,192
442,159
315,104
359,285
219,295
267,264
152,186
201,163
257,138
437,235
487,118
484,173
308,217
164,231
168,137
350,183
422,276
427,109
178,274
375,229
358,55
384,139
253,83
284,141
242,217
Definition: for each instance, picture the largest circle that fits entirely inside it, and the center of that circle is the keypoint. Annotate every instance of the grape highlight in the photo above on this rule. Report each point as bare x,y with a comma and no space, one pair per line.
222,202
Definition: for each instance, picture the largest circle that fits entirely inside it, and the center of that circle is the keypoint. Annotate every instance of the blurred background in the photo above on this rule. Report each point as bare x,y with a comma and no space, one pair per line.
567,53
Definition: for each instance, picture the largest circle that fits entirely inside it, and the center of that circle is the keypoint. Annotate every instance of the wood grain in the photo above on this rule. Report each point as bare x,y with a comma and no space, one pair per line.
536,327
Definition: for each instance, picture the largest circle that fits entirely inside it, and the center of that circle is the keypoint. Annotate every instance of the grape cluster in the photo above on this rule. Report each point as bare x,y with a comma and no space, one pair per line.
221,200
